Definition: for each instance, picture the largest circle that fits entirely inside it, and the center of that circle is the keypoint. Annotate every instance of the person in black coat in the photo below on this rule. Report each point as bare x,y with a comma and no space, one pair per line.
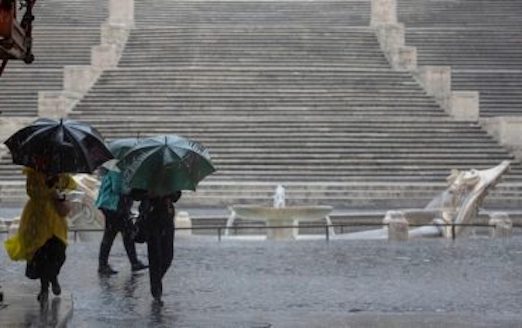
158,213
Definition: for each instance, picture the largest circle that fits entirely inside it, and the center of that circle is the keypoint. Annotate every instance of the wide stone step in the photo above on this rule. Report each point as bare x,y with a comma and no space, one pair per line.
70,14
347,194
216,12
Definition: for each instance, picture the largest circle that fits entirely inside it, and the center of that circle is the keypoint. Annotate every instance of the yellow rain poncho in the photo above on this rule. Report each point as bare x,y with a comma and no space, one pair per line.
40,220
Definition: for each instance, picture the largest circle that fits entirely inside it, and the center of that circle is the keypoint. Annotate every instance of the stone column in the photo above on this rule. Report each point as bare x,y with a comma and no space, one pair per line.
182,220
398,228
383,12
503,226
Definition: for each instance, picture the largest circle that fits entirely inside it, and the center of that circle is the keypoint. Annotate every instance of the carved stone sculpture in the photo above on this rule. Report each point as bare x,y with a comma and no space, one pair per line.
460,202
84,214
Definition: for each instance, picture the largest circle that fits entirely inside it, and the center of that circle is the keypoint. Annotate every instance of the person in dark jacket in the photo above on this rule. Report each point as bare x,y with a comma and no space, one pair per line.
116,209
159,215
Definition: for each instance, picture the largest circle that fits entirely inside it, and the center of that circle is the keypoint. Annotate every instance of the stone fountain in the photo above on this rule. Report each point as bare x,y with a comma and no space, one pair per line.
279,215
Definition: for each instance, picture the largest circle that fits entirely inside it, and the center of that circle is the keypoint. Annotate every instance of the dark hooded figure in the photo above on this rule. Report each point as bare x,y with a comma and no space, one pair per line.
158,213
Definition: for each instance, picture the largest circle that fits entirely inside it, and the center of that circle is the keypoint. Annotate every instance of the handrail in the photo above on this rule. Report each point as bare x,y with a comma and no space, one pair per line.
221,228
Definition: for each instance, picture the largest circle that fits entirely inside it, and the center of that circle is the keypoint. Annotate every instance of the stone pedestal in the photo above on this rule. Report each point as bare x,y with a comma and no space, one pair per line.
56,104
79,78
383,12
406,59
391,39
182,220
398,227
114,34
436,80
105,56
9,125
390,36
503,226
506,130
464,105
121,12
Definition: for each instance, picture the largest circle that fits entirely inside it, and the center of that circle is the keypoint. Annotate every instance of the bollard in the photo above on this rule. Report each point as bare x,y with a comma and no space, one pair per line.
397,226
13,227
503,226
327,232
182,220
3,230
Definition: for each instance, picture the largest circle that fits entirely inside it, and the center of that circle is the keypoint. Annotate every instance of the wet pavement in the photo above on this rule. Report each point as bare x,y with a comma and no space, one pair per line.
429,283
21,310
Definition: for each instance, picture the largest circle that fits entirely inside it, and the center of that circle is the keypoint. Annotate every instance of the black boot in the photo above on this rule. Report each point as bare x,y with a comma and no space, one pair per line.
138,265
106,269
43,296
55,286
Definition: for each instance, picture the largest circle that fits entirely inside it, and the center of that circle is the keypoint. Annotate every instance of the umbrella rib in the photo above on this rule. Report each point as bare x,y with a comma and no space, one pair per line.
83,153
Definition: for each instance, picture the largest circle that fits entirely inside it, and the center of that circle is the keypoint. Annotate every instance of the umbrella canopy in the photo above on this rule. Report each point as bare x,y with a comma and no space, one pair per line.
119,147
64,146
165,164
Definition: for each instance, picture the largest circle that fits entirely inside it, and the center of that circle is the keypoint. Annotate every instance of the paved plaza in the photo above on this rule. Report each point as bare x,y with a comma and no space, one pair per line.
431,283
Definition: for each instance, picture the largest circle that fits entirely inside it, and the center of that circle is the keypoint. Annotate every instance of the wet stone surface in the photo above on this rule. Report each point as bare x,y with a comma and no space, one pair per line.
253,284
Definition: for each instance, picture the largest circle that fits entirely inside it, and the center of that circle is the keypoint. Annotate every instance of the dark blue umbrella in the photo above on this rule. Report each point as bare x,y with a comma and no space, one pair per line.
64,146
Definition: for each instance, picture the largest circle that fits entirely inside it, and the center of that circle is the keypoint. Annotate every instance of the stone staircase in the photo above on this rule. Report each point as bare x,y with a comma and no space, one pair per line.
296,93
480,40
64,32
292,92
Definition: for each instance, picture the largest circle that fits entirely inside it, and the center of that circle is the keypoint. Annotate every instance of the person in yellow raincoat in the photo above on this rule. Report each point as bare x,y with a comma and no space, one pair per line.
42,237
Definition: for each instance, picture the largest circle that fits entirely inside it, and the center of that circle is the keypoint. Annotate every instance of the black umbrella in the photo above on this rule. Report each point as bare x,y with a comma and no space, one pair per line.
64,146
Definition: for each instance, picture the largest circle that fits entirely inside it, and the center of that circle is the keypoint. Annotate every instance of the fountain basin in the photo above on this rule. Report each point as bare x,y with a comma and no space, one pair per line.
282,216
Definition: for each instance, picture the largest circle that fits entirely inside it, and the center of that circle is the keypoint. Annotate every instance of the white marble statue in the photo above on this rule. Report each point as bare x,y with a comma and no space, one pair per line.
458,204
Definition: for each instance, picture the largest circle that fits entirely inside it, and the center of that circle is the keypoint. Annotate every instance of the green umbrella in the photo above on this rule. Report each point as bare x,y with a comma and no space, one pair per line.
119,147
165,164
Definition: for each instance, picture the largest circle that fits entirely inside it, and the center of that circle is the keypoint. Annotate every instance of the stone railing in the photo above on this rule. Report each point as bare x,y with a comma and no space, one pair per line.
436,80
78,79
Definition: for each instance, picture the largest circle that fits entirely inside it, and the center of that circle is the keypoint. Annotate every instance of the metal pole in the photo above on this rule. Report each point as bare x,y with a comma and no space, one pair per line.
327,231
219,234
453,235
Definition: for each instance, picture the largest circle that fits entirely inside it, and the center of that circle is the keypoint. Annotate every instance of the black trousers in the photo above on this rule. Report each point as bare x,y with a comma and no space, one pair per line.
115,223
160,247
47,262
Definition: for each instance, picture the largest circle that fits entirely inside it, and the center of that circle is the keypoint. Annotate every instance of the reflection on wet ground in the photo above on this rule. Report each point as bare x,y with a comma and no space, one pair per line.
256,284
